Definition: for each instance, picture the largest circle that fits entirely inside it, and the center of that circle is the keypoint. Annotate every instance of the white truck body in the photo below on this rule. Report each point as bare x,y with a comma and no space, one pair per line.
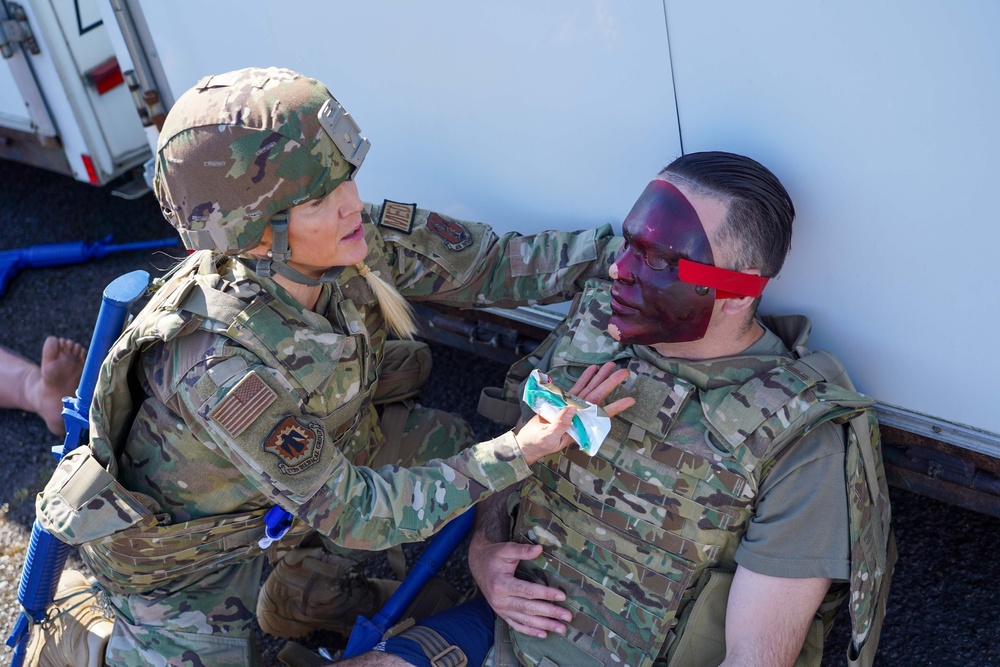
880,119
54,109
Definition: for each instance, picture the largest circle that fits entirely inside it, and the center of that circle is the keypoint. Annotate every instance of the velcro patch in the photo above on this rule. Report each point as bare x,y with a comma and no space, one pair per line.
243,404
397,216
453,234
297,445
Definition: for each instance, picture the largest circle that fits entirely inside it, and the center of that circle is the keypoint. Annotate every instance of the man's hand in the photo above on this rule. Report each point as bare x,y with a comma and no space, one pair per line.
596,384
524,605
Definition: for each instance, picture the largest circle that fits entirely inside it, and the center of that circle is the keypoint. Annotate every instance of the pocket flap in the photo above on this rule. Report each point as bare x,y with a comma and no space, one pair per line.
83,502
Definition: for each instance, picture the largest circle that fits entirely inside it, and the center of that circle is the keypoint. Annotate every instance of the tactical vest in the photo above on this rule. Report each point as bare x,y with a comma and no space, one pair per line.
633,534
126,538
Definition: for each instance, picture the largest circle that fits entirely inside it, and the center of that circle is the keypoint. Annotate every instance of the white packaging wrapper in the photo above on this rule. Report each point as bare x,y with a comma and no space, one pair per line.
591,424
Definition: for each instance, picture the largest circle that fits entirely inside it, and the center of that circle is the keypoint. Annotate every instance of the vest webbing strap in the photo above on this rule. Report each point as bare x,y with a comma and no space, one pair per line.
87,484
221,307
155,556
864,655
497,409
828,367
860,426
434,646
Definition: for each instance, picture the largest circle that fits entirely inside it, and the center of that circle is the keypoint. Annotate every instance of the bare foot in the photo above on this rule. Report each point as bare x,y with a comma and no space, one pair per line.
62,364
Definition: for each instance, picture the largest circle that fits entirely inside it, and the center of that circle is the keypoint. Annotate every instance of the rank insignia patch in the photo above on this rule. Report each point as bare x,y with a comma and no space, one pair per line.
296,444
397,216
244,403
454,235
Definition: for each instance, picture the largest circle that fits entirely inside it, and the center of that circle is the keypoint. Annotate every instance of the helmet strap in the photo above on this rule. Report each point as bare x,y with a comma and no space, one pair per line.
280,253
279,238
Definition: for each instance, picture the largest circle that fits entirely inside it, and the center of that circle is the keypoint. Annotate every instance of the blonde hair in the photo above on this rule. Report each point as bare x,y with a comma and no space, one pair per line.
397,312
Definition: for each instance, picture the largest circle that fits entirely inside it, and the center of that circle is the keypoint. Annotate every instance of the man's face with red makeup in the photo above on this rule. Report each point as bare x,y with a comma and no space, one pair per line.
649,303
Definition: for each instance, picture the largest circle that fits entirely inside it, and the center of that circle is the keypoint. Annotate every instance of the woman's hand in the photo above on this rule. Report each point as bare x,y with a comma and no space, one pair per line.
539,438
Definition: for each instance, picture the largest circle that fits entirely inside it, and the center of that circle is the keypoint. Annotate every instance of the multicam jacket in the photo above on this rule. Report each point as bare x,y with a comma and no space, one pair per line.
647,527
269,403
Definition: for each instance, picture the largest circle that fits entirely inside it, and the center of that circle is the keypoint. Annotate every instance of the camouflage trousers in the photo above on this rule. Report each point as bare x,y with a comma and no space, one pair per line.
208,619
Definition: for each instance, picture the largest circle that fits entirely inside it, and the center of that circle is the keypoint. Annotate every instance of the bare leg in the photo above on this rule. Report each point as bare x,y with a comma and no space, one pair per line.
27,386
16,373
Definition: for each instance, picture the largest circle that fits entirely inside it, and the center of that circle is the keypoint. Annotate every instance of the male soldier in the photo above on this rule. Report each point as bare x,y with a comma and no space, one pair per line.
259,374
731,509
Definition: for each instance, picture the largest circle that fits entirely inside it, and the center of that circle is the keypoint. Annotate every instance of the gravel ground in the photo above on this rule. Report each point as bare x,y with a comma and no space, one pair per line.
943,606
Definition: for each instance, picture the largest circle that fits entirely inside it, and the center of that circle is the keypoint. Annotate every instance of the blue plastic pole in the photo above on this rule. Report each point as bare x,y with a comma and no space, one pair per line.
368,633
70,252
46,555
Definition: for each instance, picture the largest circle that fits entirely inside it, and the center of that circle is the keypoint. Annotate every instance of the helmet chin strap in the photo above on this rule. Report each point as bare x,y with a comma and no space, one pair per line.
280,253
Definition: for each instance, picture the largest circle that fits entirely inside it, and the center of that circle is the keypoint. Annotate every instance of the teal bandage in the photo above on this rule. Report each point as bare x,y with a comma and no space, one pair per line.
590,424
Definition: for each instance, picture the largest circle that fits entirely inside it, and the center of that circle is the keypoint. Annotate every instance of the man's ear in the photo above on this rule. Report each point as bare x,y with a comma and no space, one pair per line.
737,305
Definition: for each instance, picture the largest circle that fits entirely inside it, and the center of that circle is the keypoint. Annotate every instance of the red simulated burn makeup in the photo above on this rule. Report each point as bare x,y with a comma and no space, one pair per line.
665,282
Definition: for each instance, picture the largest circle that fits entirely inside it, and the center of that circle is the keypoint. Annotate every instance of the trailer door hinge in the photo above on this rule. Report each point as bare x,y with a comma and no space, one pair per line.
148,103
14,29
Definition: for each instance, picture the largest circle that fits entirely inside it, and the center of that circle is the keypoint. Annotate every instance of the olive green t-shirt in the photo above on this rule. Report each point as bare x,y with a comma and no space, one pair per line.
800,527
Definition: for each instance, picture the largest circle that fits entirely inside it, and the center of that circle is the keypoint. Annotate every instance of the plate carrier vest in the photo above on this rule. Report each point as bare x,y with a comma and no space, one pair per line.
631,533
125,537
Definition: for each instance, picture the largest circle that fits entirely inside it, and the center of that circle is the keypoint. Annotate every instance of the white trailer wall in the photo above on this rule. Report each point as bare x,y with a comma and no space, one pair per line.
879,118
527,115
13,112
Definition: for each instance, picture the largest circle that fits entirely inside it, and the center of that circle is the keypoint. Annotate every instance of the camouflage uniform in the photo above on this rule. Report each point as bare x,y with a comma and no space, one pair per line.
239,412
644,537
225,396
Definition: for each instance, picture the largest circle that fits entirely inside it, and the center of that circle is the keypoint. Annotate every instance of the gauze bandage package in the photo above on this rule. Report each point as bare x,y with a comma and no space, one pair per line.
590,424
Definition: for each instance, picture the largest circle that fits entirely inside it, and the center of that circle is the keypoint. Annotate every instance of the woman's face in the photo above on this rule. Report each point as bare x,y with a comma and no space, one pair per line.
327,232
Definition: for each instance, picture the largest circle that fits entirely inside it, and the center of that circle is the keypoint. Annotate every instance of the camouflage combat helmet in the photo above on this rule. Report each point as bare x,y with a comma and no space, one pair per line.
239,149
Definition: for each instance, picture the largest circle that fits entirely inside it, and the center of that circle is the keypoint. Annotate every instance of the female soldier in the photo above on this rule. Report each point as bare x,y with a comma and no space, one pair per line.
250,378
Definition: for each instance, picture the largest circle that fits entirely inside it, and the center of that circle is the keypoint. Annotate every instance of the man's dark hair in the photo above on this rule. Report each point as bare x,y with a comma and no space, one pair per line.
757,231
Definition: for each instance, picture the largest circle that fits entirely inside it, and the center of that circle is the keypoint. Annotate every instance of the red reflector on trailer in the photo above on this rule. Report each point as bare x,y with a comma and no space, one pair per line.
106,76
91,169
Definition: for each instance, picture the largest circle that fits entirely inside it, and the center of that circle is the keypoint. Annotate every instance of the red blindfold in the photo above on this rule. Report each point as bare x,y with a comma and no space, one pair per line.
727,284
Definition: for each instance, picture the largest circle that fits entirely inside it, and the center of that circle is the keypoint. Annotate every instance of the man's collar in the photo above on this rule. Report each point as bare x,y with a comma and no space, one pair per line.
765,353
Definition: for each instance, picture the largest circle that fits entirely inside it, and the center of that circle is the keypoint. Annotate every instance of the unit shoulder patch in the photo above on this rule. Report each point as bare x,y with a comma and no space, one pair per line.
453,234
297,444
243,404
397,216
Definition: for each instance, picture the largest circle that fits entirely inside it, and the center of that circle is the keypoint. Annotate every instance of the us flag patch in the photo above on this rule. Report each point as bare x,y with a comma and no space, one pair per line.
397,216
243,404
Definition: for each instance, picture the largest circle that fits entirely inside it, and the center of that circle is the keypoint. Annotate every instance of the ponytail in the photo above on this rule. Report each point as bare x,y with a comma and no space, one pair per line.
397,312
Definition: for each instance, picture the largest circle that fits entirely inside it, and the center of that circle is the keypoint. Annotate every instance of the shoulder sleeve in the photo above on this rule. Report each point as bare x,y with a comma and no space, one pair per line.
293,456
440,258
362,508
800,527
